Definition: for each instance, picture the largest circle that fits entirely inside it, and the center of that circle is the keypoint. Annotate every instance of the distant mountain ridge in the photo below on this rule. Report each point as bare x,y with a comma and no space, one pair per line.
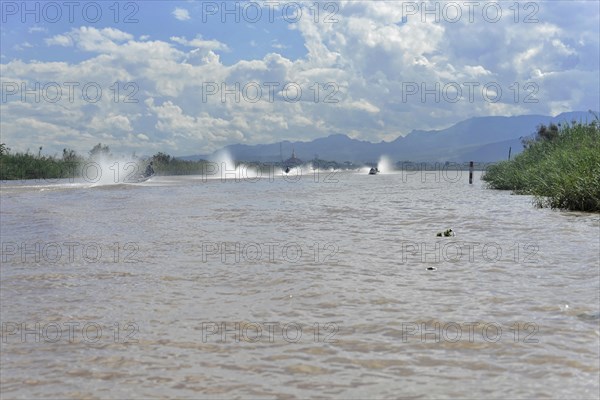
483,139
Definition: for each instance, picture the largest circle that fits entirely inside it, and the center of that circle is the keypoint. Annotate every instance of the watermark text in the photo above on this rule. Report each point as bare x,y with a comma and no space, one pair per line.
69,252
88,332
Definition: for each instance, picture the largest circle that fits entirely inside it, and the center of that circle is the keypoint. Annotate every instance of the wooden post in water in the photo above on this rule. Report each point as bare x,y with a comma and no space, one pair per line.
470,172
509,150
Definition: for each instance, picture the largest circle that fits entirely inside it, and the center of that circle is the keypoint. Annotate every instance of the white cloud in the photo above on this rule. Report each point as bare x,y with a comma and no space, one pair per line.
115,34
200,43
35,29
91,39
59,40
22,46
181,14
172,119
361,105
276,45
111,123
476,71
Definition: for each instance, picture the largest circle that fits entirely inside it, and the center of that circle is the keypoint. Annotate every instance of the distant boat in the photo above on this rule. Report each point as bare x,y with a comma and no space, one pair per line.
373,171
291,162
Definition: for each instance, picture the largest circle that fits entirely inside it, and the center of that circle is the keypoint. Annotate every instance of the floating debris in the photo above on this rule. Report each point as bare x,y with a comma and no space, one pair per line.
446,233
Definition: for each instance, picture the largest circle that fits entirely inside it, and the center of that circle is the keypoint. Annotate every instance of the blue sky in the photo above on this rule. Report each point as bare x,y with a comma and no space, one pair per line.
371,69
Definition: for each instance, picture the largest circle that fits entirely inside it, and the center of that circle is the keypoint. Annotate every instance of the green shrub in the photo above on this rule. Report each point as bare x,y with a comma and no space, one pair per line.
561,170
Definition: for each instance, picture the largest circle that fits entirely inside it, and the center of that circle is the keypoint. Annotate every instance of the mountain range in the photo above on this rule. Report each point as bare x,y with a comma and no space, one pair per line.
482,139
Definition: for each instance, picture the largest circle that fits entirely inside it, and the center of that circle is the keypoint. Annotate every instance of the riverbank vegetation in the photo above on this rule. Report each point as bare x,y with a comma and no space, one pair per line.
37,166
28,165
560,166
165,164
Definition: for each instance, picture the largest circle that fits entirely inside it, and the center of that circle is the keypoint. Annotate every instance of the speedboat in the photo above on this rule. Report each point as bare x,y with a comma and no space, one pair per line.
140,178
373,171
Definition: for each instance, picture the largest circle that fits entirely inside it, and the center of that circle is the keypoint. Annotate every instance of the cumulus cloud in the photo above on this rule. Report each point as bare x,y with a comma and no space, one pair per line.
91,39
59,40
181,14
111,123
200,43
361,105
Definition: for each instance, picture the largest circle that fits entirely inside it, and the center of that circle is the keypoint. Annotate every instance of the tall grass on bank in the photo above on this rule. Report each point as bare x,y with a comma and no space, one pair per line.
22,166
28,166
180,167
561,170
